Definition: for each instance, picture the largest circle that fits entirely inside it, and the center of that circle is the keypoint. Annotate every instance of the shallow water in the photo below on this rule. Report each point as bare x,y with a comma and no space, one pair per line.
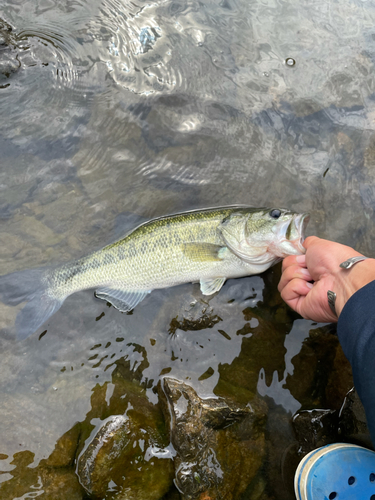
119,111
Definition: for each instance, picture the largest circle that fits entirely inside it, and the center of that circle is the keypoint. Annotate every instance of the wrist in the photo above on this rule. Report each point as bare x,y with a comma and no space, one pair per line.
347,282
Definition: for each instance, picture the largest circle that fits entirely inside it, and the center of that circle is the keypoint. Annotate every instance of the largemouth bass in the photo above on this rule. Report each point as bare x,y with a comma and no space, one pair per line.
205,246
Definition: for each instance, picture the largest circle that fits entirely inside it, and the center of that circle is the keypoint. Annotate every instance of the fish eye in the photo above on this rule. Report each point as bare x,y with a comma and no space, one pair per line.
275,213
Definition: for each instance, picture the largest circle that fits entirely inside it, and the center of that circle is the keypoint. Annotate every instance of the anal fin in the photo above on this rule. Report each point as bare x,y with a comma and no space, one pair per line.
210,286
123,300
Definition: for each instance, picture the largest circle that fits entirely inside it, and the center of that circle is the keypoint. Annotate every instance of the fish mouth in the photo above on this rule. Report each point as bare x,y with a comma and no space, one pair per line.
300,223
290,235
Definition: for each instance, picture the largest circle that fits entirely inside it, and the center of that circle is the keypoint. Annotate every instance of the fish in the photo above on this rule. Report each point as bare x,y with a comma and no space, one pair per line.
206,246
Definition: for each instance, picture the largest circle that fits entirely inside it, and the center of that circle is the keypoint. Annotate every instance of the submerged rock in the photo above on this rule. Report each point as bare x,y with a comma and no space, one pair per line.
9,62
189,323
352,421
6,35
65,450
45,483
321,375
220,445
8,65
59,484
126,460
315,428
319,427
17,50
125,457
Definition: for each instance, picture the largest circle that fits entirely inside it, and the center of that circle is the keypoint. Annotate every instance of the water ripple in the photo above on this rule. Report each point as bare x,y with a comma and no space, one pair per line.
52,76
164,46
128,35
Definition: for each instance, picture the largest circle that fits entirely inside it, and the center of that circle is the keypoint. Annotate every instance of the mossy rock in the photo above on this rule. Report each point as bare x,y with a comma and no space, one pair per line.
121,463
219,443
47,483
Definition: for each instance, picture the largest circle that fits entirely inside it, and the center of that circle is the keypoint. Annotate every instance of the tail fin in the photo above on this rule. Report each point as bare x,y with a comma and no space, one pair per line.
29,286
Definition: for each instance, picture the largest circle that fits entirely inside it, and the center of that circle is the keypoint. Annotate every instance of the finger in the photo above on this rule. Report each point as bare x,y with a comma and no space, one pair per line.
289,261
295,292
292,272
301,260
292,260
311,240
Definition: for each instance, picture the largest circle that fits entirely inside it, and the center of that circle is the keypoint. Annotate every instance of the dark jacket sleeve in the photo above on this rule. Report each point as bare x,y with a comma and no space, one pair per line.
356,332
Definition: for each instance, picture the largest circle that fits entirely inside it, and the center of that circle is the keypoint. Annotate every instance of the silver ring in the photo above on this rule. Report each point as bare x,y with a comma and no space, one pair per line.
347,264
332,301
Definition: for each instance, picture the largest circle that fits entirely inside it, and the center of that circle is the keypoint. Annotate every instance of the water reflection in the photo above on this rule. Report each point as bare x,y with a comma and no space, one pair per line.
119,372
115,112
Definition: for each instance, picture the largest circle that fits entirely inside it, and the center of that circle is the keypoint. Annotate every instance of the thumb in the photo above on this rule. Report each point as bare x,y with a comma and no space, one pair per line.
310,241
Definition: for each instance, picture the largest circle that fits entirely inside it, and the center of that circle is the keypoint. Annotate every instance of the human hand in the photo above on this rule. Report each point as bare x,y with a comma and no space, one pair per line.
307,278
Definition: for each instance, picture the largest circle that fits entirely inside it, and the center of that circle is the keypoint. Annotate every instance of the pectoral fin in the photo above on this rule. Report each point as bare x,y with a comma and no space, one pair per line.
123,300
200,252
208,287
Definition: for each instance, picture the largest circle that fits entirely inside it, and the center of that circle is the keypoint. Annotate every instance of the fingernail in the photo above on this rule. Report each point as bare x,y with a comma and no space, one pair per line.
301,259
310,285
305,271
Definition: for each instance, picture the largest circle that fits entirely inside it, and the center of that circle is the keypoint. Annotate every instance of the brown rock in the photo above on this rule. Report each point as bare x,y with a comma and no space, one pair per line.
220,445
64,453
121,462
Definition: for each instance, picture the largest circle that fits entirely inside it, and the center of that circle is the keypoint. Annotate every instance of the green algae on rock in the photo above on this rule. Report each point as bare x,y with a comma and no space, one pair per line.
125,460
46,483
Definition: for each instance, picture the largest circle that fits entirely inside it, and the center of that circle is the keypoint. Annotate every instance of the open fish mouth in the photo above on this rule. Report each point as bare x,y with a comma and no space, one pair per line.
290,235
300,223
